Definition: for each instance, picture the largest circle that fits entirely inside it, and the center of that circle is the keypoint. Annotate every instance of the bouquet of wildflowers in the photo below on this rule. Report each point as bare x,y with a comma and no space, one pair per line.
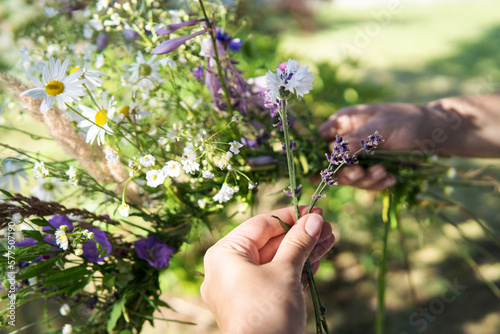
160,131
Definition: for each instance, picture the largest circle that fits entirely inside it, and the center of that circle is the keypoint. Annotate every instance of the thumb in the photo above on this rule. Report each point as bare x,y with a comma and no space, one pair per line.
300,240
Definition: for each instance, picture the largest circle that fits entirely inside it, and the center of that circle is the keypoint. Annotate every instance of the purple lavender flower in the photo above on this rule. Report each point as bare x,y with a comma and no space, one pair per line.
293,146
341,153
328,176
90,250
372,143
288,191
154,251
250,143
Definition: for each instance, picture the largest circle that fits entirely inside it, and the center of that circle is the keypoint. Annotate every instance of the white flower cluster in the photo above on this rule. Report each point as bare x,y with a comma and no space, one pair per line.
224,194
39,171
71,172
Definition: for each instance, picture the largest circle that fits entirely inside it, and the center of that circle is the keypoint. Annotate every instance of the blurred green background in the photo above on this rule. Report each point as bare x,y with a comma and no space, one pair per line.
360,52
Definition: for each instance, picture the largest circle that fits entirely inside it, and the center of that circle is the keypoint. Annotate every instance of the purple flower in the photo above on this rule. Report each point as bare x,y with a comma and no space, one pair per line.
102,41
225,39
176,26
372,143
130,34
198,73
174,43
90,250
154,251
261,160
288,191
26,242
328,176
341,153
250,143
57,221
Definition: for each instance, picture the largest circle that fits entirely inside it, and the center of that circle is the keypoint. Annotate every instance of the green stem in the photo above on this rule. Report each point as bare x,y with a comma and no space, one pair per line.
220,73
289,158
391,219
318,315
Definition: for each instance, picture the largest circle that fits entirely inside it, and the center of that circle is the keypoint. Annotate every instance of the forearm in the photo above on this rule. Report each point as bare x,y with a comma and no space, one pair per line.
465,126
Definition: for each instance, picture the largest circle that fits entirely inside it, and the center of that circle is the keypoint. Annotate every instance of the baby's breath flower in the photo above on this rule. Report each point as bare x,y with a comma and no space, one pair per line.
71,172
64,309
61,239
57,86
78,252
155,177
190,166
235,147
224,194
207,174
148,160
39,171
124,209
67,329
16,218
229,154
172,168
252,185
111,155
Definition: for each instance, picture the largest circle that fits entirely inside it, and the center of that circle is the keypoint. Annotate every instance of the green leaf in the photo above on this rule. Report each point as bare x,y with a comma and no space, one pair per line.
40,268
40,222
6,193
284,225
75,288
65,276
115,314
34,235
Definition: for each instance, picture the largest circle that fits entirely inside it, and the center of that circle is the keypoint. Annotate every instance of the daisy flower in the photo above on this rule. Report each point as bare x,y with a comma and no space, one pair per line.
56,86
145,72
46,190
224,194
61,239
97,119
172,168
11,171
155,177
91,78
292,77
168,61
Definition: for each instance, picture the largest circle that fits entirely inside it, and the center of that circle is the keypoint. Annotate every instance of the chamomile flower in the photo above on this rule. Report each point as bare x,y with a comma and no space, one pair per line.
292,78
91,78
61,239
172,168
97,119
11,171
56,86
67,329
155,177
145,72
46,190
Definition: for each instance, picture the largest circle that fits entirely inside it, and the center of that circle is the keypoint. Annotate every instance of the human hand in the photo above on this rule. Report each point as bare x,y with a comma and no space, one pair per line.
401,125
253,276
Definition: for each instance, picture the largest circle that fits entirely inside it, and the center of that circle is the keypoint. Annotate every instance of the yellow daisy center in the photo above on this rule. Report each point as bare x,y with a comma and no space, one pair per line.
100,117
125,110
54,88
74,70
145,70
155,177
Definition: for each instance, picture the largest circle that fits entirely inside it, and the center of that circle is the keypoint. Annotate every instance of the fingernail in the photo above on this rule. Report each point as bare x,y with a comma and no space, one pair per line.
313,224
